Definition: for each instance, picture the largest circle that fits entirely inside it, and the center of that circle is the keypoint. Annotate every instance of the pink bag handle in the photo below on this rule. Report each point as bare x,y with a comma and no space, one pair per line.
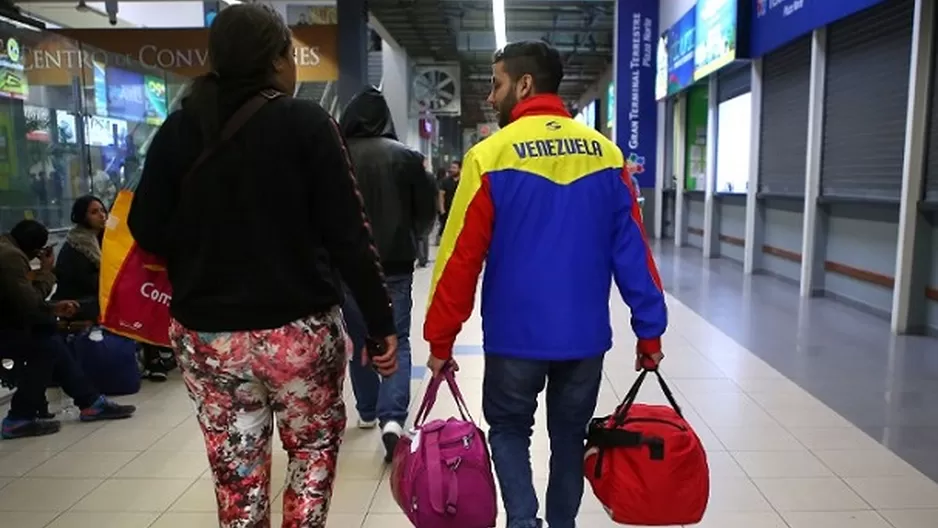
429,397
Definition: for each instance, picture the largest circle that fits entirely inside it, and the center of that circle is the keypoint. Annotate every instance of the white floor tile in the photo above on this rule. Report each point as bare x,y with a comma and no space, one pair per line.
18,519
68,464
911,518
850,519
104,520
896,493
778,457
773,464
810,494
44,495
134,495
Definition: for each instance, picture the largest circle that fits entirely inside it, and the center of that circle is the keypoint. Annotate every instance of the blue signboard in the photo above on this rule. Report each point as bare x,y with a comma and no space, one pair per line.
125,95
636,108
777,22
682,44
715,36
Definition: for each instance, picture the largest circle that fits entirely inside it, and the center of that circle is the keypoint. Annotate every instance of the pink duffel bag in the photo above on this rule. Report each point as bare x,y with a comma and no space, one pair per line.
441,477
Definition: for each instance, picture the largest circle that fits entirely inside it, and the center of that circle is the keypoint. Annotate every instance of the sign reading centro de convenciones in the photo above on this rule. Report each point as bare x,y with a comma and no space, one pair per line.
777,22
636,122
184,52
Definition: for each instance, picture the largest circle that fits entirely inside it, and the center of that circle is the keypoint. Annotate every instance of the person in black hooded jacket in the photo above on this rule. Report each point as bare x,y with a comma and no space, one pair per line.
399,197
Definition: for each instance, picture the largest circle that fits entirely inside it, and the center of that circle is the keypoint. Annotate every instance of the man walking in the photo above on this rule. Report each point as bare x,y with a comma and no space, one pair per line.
399,198
547,204
448,186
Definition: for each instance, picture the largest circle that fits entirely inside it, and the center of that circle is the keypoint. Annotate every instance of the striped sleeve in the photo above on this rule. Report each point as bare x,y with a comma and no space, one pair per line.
635,271
463,248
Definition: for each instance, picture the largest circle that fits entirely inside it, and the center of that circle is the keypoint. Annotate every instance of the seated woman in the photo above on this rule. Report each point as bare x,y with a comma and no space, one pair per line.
79,262
77,271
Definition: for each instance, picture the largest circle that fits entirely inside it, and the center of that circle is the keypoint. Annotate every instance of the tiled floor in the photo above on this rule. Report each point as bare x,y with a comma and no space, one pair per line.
779,457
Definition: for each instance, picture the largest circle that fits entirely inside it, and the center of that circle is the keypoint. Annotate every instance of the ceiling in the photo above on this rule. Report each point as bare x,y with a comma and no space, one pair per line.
451,30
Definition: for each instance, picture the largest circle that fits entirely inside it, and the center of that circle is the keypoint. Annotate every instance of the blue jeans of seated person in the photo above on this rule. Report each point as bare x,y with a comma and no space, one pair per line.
386,400
509,400
44,357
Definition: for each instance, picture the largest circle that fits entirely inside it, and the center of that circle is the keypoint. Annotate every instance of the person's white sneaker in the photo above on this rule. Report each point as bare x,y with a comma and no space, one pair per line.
390,436
367,424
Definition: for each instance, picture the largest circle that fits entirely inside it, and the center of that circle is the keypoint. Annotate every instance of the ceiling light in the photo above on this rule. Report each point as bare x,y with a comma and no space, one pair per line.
498,19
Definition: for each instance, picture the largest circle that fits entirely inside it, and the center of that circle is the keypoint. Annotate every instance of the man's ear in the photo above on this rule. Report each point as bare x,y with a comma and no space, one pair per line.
525,86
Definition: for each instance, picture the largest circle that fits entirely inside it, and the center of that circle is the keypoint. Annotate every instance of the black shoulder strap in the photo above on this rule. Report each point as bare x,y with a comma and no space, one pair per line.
235,122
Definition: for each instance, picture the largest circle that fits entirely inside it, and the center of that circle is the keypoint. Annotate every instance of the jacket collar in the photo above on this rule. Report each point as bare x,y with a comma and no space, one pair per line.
7,240
545,104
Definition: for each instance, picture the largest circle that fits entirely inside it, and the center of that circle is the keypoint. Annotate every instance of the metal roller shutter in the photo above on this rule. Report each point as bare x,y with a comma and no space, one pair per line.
783,143
867,80
668,144
733,81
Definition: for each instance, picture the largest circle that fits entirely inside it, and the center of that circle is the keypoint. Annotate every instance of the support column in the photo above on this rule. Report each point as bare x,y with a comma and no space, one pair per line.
353,48
711,228
659,173
755,210
909,304
680,168
814,229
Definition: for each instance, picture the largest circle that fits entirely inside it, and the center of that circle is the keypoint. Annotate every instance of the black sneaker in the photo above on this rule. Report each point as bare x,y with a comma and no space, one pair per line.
105,409
28,428
390,435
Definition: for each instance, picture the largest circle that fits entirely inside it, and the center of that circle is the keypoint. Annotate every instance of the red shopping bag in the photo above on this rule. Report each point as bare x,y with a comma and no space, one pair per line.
135,292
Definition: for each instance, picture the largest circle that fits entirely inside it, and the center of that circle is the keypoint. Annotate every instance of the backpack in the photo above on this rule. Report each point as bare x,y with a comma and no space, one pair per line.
646,464
108,360
442,475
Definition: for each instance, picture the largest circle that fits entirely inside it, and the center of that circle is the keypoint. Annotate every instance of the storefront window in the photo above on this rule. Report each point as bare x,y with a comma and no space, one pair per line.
733,145
73,120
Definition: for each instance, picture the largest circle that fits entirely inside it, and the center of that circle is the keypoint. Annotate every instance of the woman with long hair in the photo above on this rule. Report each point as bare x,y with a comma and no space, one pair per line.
249,195
78,264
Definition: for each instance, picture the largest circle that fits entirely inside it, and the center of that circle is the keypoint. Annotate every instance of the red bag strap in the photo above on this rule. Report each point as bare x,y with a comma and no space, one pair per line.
237,120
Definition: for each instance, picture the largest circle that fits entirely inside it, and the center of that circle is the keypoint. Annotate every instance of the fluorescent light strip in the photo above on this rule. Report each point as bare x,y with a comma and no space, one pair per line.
498,19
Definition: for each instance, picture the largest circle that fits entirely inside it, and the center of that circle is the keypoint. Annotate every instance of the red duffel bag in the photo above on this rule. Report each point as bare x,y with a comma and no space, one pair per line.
646,464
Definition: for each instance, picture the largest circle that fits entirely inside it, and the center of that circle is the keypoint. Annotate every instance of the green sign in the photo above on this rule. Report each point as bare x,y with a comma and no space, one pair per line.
695,171
156,104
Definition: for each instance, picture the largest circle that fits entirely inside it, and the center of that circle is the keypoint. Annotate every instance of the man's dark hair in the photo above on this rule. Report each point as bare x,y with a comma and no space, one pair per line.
535,58
456,163
30,236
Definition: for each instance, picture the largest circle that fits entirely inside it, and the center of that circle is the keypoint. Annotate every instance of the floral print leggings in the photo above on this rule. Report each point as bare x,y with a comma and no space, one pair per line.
239,381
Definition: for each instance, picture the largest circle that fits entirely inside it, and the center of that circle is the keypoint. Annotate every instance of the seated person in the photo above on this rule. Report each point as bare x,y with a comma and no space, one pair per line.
79,261
28,335
78,269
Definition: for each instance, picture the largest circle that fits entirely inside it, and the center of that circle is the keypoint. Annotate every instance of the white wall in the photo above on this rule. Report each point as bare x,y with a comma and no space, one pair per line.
158,14
396,86
672,10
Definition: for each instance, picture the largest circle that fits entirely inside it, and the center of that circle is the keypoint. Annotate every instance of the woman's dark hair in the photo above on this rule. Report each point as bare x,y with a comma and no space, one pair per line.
80,209
30,236
243,43
441,173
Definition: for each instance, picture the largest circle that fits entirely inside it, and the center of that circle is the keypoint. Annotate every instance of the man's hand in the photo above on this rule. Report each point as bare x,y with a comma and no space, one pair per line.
647,361
437,365
386,363
47,260
65,309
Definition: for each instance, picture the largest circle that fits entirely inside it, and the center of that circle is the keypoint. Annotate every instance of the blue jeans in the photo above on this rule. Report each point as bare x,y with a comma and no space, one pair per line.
509,401
386,400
